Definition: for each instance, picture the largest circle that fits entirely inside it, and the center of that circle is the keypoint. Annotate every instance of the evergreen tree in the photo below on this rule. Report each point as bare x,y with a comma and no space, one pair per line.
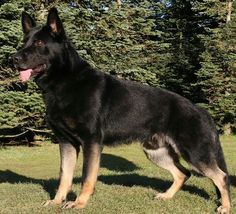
19,108
216,77
185,46
118,39
181,30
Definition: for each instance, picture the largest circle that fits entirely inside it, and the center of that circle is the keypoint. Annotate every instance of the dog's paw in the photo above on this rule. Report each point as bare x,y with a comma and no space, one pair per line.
73,204
51,202
163,196
223,210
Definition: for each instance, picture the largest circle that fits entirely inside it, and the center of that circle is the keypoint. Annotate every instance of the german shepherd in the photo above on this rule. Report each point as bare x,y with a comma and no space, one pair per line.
88,109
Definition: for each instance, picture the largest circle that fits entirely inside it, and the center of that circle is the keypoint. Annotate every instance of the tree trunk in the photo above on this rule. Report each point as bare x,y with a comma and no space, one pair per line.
119,4
229,10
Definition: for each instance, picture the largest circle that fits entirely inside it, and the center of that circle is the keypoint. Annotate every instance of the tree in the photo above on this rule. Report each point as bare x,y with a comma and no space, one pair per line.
216,77
184,47
19,108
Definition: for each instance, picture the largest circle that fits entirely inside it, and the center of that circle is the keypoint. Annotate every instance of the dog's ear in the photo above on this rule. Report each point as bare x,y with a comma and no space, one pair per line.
55,23
27,22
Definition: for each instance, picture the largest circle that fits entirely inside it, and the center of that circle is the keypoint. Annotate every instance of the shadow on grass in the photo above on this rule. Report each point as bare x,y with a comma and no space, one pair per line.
144,181
132,179
110,162
49,185
116,163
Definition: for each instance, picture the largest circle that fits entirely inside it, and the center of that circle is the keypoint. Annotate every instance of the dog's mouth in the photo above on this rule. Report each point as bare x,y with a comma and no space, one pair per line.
26,74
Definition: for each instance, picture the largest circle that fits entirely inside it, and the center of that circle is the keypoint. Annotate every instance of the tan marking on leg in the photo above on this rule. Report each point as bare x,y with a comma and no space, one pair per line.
218,177
179,180
68,162
89,183
90,173
168,160
86,192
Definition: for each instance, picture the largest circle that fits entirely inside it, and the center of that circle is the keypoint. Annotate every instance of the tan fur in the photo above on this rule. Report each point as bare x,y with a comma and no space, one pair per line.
89,178
162,157
68,162
70,122
179,180
218,177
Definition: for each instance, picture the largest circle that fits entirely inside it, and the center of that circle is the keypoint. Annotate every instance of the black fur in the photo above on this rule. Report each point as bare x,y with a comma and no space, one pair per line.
84,105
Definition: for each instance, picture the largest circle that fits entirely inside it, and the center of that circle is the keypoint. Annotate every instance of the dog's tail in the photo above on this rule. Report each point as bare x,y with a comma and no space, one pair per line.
220,157
221,164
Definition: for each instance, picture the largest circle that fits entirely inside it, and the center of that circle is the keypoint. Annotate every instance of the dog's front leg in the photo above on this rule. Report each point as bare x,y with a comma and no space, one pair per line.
92,156
69,156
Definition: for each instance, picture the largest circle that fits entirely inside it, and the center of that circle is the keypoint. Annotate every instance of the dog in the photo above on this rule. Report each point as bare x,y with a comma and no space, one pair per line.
89,109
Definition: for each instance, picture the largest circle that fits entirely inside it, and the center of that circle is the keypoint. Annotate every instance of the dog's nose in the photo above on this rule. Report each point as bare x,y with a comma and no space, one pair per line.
16,59
10,61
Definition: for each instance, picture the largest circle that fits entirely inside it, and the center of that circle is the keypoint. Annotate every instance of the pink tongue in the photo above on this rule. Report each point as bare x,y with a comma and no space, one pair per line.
25,75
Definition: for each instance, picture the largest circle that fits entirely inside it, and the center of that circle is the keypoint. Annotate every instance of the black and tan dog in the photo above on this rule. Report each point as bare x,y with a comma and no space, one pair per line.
89,109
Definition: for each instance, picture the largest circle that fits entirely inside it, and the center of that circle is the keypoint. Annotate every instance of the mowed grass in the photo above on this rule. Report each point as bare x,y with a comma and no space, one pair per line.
127,182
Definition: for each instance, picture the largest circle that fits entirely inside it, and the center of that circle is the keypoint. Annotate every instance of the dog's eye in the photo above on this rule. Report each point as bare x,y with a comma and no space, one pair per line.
38,43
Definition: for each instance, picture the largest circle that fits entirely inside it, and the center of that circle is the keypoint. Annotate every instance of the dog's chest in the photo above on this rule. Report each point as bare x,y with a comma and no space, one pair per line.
57,110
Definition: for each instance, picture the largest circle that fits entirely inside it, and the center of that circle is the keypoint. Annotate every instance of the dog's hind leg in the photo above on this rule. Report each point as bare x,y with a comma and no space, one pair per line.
69,156
166,158
220,180
209,160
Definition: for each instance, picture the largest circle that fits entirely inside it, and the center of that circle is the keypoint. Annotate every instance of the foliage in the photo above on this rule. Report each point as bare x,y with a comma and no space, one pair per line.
20,108
111,38
184,46
180,31
11,32
216,77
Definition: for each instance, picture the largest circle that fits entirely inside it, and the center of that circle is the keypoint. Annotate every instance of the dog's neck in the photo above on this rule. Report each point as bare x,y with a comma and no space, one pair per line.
76,69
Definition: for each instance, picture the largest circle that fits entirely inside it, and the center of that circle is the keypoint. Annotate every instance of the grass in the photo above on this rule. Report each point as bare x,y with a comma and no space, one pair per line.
126,185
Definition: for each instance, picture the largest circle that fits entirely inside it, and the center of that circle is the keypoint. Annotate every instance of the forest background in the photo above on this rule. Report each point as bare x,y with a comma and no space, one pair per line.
188,47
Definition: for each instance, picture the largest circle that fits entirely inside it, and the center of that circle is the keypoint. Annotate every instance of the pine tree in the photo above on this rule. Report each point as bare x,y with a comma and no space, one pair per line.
19,108
216,77
185,46
118,39
181,30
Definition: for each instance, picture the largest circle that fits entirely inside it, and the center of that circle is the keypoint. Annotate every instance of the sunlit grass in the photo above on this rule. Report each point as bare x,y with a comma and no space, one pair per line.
126,185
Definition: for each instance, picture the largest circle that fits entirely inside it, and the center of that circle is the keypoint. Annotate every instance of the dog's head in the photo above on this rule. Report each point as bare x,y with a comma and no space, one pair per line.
42,47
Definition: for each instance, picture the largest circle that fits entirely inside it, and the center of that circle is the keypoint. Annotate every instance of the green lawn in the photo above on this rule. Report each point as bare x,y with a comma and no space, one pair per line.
126,185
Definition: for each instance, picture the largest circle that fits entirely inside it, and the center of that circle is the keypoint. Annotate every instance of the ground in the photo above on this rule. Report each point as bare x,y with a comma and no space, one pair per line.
127,182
